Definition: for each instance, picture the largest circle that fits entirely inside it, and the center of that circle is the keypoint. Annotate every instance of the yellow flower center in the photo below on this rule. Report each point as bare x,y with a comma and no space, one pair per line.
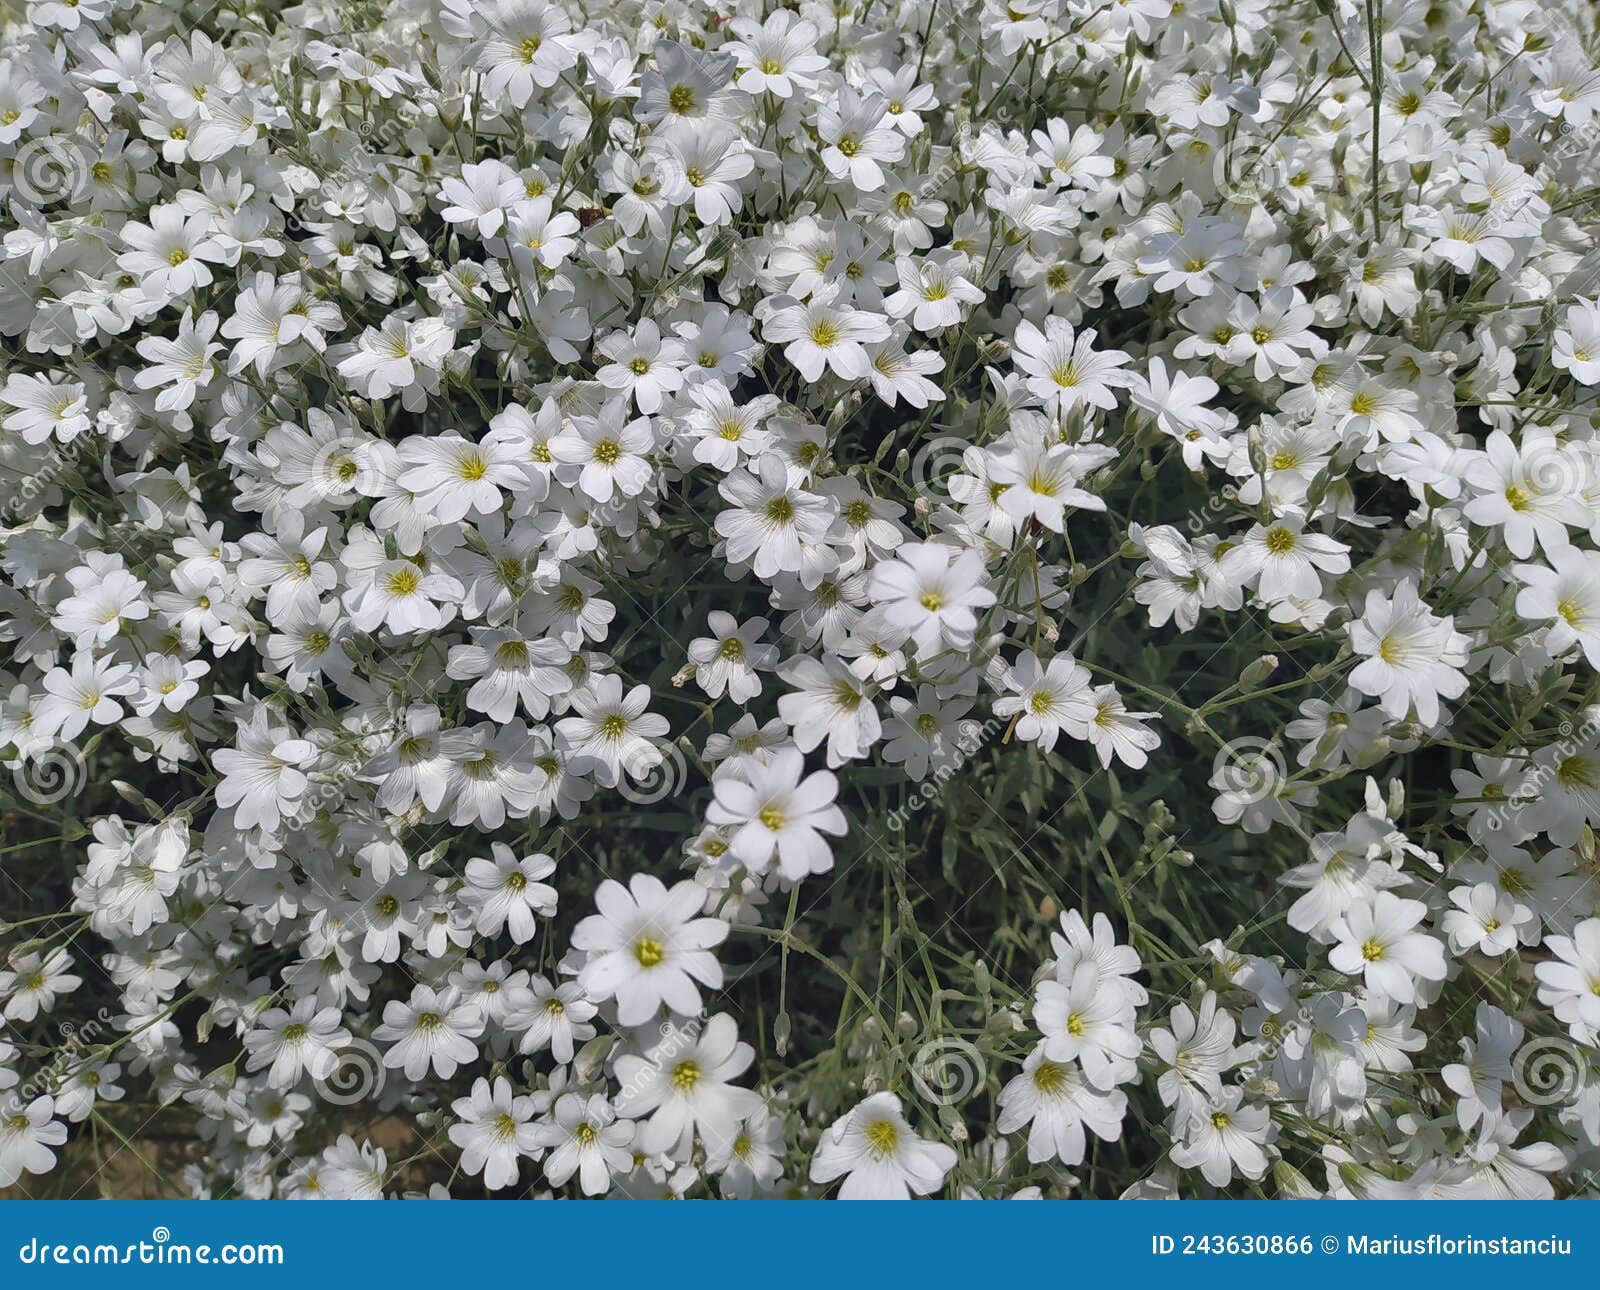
882,1137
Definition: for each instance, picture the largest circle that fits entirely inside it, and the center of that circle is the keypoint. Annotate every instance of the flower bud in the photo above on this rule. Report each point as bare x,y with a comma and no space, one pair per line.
1257,672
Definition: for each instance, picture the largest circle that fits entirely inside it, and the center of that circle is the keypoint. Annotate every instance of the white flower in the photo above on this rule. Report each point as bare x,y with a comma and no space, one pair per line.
822,335
301,1038
1376,941
1063,365
1088,1021
1112,731
1478,1079
1054,1102
614,729
103,602
931,590
647,947
828,703
777,56
1224,1137
770,522
481,195
1284,559
552,1016
1529,491
32,982
644,366
774,813
879,1155
506,892
28,1131
930,733
604,456
398,357
728,661
682,1084
1195,1051
263,774
1041,479
44,405
1044,699
180,367
1570,986
932,292
587,1139
854,139
538,238
433,1029
1178,402
169,255
494,1132
454,477
1567,596
1575,348
1484,919
1412,658
700,167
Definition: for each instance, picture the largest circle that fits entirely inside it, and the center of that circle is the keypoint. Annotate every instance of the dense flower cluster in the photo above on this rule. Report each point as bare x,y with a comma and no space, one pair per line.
877,599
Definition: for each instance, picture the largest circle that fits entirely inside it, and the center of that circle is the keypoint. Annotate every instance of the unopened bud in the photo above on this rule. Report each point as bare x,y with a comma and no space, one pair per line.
590,1057
1291,1183
1354,1177
951,1121
128,793
1373,753
1257,672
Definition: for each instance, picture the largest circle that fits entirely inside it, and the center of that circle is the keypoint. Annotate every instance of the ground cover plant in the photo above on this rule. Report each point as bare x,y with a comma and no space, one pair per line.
860,599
